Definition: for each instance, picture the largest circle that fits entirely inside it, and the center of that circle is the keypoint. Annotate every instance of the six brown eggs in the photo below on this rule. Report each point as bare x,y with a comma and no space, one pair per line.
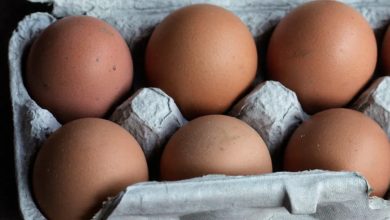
205,58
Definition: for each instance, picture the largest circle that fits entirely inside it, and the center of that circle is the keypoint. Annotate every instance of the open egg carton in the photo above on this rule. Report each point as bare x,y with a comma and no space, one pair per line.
152,117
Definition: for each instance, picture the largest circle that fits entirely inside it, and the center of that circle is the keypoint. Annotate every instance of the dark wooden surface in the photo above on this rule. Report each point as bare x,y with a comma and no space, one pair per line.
11,11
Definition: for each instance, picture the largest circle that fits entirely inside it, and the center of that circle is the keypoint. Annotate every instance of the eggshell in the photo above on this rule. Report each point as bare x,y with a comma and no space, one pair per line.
79,67
83,163
203,56
214,144
325,51
342,139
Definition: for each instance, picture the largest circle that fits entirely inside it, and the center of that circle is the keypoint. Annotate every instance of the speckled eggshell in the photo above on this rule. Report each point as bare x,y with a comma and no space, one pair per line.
83,163
214,144
204,57
325,51
79,67
342,139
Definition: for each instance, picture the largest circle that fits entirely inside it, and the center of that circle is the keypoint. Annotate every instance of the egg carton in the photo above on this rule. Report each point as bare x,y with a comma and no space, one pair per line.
152,117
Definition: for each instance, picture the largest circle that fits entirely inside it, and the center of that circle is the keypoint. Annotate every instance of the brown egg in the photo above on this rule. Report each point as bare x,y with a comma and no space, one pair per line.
79,67
83,163
325,51
386,52
214,144
342,139
203,56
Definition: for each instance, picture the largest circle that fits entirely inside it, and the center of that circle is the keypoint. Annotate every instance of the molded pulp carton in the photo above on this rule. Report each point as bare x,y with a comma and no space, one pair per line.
281,195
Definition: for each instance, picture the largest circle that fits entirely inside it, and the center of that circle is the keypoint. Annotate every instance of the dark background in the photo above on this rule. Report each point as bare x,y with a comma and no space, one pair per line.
12,11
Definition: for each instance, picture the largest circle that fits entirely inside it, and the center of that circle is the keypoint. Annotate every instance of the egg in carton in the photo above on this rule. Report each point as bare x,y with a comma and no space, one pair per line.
302,195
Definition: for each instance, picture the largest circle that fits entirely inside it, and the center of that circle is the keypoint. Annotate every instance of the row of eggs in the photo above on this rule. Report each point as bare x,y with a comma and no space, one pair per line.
205,58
